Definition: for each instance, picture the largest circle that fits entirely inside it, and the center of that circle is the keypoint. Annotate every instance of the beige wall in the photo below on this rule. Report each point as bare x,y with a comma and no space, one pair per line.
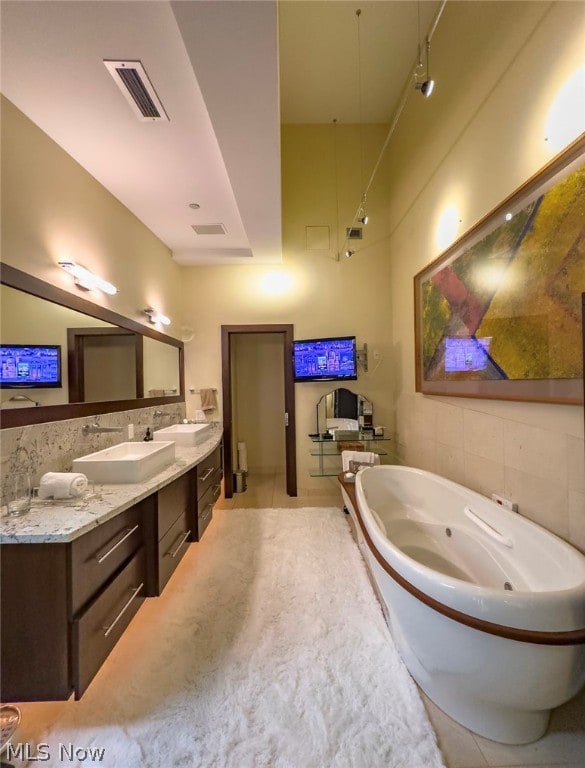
53,209
326,296
480,142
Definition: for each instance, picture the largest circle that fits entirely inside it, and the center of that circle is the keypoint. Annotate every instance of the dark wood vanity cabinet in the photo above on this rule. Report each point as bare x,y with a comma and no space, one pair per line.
64,606
208,476
172,526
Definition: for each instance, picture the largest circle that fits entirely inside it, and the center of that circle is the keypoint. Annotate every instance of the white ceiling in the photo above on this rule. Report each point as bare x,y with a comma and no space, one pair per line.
215,67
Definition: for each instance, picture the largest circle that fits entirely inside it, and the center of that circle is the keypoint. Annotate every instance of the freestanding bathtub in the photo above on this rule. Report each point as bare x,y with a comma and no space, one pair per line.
486,608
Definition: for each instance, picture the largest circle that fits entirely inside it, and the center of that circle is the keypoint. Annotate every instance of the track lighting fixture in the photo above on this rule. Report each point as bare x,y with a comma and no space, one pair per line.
427,86
362,216
156,317
85,279
349,253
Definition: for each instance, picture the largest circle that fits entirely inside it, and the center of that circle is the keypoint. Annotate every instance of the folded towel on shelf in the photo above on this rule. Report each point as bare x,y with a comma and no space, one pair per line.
367,458
208,399
62,485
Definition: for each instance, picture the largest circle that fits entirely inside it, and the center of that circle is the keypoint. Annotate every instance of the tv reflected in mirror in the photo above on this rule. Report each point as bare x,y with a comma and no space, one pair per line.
30,366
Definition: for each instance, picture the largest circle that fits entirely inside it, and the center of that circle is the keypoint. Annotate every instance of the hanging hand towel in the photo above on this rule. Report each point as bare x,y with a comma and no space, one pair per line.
62,485
208,400
366,458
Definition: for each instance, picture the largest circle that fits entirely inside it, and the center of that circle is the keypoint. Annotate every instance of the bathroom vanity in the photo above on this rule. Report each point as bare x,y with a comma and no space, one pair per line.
74,576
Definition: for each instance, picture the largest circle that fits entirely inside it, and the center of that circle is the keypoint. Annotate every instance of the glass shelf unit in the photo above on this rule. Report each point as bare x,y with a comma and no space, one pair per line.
328,449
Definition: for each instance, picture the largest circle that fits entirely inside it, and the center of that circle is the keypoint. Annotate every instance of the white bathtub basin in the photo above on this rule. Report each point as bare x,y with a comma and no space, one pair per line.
184,434
126,462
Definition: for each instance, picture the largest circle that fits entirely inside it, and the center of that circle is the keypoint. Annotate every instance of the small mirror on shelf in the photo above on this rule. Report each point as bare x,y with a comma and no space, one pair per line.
343,409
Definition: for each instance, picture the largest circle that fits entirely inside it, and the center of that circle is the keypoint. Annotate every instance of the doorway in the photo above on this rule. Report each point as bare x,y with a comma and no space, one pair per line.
104,364
236,341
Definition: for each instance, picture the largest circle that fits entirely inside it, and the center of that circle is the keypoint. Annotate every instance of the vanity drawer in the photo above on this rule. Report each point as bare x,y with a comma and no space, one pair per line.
205,505
207,471
98,629
173,501
171,549
96,555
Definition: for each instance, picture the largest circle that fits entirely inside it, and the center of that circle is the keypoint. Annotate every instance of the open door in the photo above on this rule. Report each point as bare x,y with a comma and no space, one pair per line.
288,417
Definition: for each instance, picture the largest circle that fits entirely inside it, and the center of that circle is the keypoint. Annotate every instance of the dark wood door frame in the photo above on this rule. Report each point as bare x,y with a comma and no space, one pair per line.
227,332
76,338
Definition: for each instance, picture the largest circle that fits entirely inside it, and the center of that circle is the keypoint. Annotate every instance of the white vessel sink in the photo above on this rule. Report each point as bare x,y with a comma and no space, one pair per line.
184,434
126,462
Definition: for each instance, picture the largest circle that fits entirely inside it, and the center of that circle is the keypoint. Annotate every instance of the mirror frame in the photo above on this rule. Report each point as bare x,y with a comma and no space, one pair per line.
20,417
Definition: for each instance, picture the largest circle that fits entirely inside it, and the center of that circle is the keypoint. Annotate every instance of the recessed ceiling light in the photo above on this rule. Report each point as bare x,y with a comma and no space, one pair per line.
195,206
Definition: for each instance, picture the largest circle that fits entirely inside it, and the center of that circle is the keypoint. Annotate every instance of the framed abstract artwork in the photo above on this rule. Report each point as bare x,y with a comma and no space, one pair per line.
498,315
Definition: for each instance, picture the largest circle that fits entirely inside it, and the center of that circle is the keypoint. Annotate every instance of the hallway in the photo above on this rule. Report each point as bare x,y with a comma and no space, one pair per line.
268,490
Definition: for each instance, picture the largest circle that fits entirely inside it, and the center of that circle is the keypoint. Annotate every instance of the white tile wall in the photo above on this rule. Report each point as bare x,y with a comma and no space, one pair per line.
491,449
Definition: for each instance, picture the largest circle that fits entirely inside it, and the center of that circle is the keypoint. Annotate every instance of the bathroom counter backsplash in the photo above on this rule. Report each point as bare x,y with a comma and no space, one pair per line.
55,522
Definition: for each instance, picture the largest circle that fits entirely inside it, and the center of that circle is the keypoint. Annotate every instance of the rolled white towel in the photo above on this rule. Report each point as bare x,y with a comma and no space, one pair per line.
62,485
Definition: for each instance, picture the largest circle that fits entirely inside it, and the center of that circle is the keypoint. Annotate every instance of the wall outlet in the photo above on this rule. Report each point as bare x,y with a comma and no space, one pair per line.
130,431
503,502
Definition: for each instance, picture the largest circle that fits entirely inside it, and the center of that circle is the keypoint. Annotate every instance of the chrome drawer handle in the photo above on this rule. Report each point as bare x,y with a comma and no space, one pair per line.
206,512
206,475
123,611
128,533
180,544
216,488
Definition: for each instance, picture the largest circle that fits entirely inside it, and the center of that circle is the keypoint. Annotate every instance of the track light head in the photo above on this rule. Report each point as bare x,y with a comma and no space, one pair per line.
427,87
363,219
349,253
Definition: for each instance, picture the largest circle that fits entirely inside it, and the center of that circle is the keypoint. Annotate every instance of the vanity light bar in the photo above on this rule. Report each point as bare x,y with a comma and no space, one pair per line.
86,279
156,317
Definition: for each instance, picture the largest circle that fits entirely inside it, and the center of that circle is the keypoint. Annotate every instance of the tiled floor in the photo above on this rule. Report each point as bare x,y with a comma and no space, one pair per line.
563,744
269,490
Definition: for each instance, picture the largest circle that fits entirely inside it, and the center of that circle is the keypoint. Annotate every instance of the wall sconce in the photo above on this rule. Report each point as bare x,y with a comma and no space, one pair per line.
86,280
156,317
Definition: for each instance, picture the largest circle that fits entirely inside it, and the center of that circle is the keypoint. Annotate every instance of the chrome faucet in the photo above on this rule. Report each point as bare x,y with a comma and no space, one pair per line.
95,429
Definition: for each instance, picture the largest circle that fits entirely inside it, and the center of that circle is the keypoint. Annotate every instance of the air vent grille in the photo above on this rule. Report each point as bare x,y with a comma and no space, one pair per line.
353,233
209,229
133,82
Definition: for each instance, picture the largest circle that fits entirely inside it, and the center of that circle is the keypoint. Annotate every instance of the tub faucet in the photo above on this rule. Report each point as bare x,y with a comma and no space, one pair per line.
95,429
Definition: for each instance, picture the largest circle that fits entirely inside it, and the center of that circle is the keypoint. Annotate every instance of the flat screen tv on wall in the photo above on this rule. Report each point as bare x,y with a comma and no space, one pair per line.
328,359
30,365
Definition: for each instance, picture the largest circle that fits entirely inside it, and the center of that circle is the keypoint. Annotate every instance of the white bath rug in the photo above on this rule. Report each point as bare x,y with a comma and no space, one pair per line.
267,649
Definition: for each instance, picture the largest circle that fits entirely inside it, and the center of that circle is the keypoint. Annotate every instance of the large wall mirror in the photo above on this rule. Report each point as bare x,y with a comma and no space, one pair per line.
108,362
343,409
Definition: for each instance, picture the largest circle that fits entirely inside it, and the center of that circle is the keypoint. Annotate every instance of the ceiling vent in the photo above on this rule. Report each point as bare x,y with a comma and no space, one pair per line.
353,233
132,80
209,229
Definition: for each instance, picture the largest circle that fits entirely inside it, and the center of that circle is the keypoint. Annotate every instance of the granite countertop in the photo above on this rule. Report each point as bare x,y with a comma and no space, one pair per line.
59,522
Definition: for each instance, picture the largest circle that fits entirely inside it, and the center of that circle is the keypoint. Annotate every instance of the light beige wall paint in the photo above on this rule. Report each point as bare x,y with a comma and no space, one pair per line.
53,209
327,297
258,400
498,67
26,319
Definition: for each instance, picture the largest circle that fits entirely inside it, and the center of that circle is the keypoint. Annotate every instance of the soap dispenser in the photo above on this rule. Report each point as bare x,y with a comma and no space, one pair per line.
148,435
